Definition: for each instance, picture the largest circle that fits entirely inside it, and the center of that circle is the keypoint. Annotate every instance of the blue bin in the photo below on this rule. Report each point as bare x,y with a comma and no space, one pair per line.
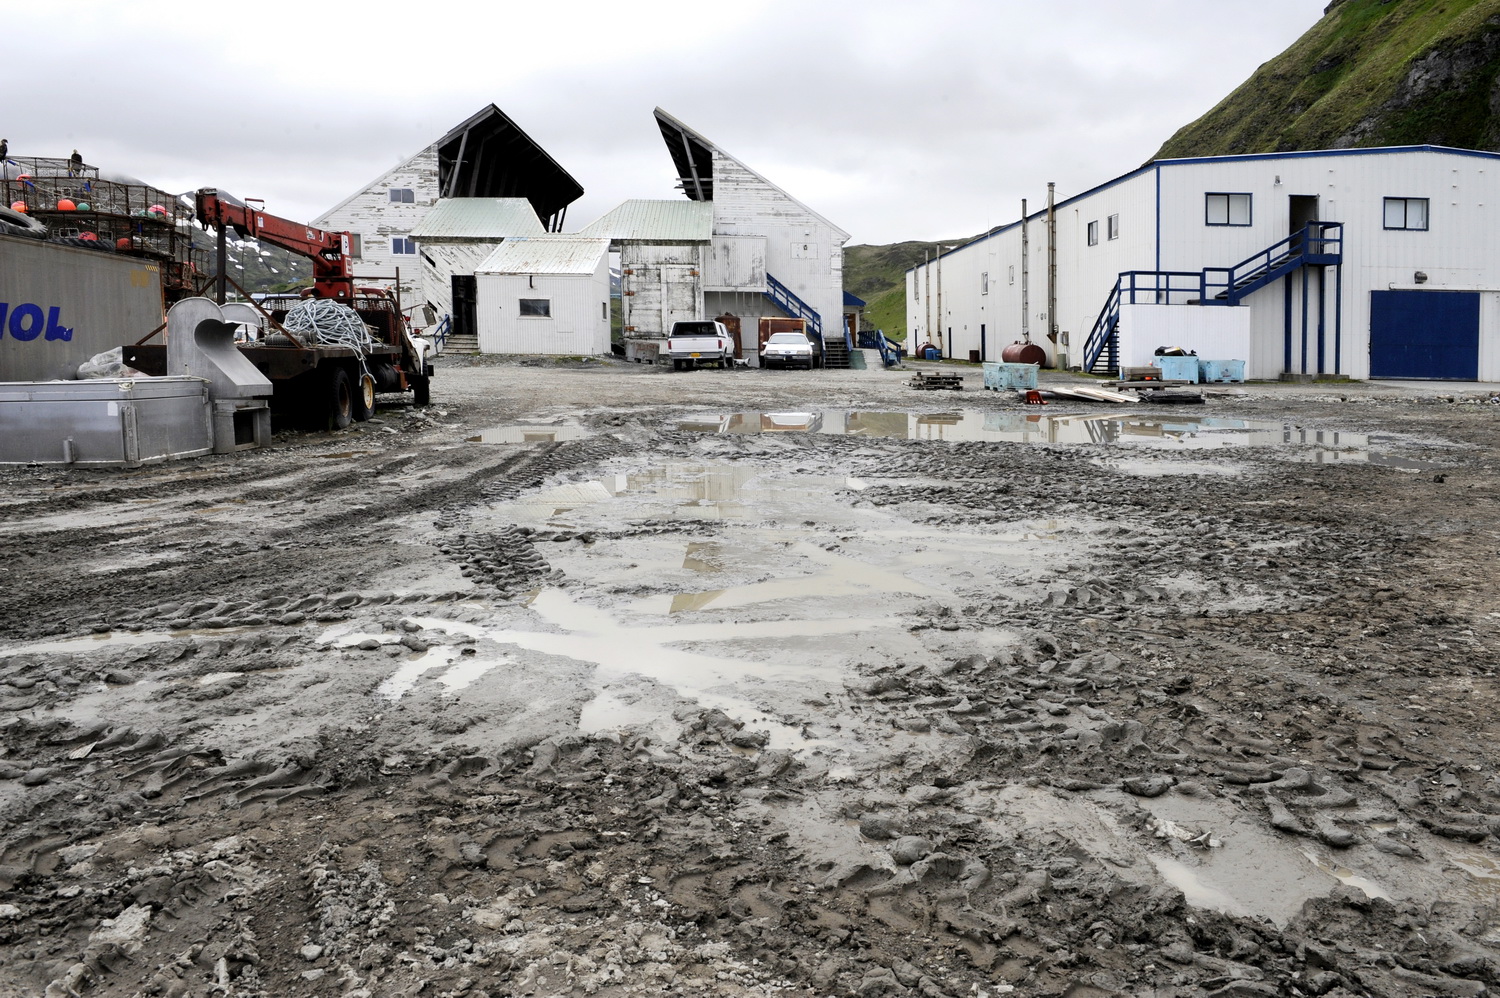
1221,370
998,376
1177,368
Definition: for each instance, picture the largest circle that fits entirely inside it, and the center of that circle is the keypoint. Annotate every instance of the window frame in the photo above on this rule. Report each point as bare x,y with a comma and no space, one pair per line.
1113,227
1093,231
401,195
545,313
1228,204
1406,202
403,245
984,282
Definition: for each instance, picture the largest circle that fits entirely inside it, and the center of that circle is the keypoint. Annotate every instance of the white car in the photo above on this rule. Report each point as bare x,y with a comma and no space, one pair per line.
788,350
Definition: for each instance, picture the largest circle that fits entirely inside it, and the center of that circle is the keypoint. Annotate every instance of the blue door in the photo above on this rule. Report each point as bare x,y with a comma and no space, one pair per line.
1424,334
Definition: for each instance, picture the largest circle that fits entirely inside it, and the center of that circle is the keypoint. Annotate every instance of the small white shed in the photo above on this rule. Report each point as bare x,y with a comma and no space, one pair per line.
545,294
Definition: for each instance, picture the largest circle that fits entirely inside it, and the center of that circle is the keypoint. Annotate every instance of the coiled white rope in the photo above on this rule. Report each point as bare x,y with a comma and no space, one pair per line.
324,320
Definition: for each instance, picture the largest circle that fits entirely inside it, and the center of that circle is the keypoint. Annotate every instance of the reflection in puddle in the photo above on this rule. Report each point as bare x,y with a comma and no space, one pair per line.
530,433
1177,432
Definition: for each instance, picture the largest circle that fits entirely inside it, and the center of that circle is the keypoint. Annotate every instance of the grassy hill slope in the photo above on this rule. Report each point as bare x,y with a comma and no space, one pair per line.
1369,73
878,275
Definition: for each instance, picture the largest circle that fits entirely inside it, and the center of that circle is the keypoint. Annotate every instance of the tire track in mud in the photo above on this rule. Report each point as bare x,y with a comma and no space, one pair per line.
251,566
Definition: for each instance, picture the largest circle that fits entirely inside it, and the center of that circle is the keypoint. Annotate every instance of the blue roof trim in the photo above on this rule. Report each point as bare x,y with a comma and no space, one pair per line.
850,301
1157,164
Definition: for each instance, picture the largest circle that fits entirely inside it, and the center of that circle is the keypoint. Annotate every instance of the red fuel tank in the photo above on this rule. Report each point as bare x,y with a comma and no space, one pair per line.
1024,353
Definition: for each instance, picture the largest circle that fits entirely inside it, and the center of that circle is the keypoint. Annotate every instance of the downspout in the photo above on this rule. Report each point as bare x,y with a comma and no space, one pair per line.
1025,278
1051,264
942,351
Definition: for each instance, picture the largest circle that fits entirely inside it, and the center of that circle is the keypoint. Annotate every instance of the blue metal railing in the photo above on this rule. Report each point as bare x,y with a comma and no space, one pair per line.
1318,244
786,299
1137,287
440,333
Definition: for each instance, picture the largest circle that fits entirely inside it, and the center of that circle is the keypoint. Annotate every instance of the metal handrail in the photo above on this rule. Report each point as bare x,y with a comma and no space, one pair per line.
792,305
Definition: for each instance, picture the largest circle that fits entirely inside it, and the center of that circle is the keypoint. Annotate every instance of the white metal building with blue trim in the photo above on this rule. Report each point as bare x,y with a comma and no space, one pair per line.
1361,262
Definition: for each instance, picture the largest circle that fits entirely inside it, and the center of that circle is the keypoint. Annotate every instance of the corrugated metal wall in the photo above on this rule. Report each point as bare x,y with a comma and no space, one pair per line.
578,326
105,301
1460,250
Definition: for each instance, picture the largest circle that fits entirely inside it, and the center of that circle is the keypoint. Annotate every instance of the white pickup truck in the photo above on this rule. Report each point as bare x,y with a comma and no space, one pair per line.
699,342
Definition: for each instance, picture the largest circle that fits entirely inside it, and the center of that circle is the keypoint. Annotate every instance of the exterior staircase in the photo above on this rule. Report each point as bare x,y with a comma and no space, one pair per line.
1319,244
460,343
836,353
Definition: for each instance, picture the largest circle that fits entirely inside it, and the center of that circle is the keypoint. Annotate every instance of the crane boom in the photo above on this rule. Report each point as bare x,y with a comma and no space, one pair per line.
331,253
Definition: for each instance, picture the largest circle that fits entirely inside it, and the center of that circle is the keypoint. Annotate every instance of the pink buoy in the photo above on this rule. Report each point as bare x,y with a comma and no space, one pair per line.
156,209
18,206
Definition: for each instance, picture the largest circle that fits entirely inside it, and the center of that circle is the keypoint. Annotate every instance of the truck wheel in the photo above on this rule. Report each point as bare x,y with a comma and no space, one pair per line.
340,400
364,398
421,390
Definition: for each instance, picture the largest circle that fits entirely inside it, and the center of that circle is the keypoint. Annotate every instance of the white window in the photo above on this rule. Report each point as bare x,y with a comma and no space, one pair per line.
1011,274
984,283
1406,213
403,195
536,307
1226,209
1114,226
403,246
1094,233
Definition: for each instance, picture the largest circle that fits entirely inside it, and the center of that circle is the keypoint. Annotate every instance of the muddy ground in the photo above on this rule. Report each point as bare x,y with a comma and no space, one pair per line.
597,679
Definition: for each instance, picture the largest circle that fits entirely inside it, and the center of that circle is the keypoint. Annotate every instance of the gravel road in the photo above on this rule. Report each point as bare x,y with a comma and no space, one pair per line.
600,679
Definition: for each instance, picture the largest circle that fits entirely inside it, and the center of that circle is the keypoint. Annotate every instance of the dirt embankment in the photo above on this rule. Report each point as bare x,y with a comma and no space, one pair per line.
610,681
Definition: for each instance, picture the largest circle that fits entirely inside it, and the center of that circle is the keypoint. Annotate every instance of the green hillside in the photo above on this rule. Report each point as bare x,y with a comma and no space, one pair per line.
878,275
1369,73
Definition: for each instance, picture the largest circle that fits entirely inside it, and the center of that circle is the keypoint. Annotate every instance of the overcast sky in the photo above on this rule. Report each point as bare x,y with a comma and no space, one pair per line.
895,121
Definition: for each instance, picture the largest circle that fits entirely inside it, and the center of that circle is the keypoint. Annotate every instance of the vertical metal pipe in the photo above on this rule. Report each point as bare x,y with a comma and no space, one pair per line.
927,290
942,350
1025,278
221,288
1304,320
1051,262
1338,313
1322,315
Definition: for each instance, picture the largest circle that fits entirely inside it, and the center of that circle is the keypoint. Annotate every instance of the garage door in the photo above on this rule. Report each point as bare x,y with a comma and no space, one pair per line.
1424,334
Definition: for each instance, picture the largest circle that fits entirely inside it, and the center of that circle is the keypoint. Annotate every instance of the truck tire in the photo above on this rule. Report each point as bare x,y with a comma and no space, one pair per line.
421,390
340,399
364,398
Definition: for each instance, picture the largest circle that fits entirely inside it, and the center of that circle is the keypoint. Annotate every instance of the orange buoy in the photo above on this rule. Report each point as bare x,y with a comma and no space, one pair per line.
122,243
88,237
66,205
18,206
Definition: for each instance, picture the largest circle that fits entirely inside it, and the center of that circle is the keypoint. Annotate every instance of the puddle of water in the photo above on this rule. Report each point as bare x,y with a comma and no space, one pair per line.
1482,873
1345,875
113,640
530,433
404,679
1171,433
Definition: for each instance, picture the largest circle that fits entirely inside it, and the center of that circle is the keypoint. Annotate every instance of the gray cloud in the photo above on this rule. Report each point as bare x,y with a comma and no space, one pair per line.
895,121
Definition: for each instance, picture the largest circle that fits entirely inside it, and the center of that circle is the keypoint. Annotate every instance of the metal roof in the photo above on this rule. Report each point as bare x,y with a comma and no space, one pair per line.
488,155
853,301
656,221
479,218
545,254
